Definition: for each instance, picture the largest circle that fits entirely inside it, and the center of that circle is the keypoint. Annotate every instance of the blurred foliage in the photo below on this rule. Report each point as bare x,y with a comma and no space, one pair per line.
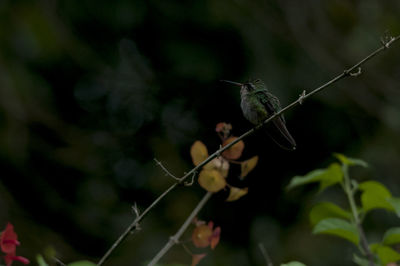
91,92
329,218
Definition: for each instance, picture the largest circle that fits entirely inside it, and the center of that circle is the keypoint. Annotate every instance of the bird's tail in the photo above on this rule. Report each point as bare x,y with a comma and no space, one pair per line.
283,135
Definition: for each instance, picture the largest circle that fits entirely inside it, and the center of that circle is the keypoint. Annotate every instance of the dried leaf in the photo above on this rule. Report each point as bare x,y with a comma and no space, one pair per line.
236,193
215,237
248,165
235,151
220,164
210,224
211,180
201,236
199,152
196,258
223,127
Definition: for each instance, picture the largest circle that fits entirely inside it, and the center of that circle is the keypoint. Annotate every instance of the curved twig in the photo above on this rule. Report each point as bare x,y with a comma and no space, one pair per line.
386,43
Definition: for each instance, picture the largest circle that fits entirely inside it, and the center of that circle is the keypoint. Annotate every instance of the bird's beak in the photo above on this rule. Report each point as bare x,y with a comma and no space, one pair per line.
232,82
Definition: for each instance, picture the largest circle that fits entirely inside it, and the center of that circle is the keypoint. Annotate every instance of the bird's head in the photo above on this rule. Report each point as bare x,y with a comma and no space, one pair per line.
248,87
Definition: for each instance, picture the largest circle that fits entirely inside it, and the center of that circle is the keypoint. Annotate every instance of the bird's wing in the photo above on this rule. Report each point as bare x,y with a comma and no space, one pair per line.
271,103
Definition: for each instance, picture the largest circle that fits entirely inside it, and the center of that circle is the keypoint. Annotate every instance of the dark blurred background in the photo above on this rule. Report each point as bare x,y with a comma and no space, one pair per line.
92,91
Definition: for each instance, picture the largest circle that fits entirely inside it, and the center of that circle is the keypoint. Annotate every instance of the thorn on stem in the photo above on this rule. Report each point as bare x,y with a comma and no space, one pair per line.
355,74
167,173
135,210
219,151
189,183
174,240
348,72
386,40
137,228
302,96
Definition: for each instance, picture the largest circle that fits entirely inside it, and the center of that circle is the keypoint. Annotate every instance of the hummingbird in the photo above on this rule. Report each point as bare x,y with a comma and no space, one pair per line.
258,104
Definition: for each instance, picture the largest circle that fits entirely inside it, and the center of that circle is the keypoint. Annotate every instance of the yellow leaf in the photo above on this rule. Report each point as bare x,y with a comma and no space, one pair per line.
236,193
199,152
219,164
235,151
201,236
248,165
211,180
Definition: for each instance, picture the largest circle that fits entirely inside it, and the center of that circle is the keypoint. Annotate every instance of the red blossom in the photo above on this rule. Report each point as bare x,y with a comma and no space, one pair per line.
8,243
9,239
10,257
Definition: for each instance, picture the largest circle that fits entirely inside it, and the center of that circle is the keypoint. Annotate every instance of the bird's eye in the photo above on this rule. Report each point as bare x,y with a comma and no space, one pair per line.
250,86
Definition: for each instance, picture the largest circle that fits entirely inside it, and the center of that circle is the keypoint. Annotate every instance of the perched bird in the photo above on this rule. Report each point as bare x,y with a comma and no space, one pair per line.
258,104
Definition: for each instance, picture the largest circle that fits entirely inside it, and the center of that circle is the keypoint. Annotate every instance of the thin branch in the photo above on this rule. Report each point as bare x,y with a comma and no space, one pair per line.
264,252
58,262
175,238
356,219
300,100
167,173
187,249
134,225
365,245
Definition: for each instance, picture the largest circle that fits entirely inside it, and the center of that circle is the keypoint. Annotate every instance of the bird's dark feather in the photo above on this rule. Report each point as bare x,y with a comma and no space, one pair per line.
272,105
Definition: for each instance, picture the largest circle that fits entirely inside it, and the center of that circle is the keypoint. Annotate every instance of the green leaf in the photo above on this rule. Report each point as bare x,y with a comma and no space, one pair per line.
40,260
311,177
374,247
386,254
360,261
375,196
375,186
391,236
293,263
327,177
350,161
325,210
337,227
82,263
395,203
